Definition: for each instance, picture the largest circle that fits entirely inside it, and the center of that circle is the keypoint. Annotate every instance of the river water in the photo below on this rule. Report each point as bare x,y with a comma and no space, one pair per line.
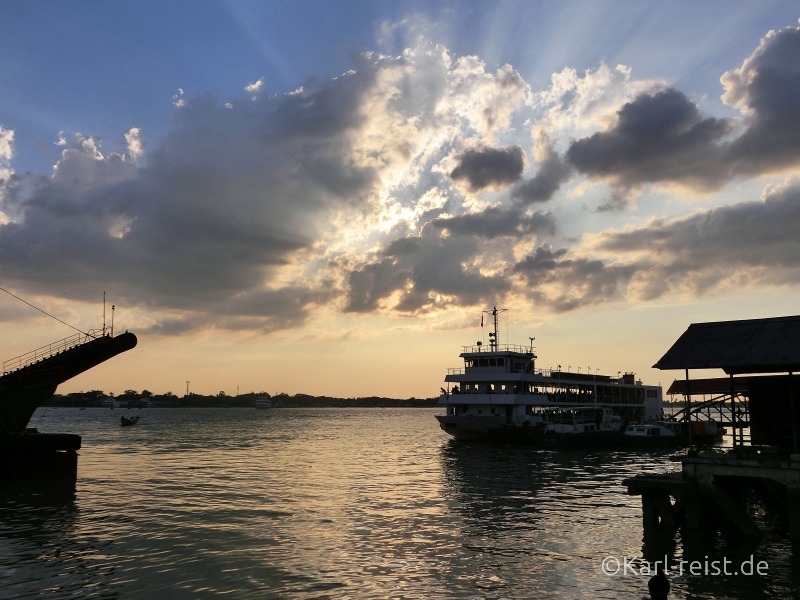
346,503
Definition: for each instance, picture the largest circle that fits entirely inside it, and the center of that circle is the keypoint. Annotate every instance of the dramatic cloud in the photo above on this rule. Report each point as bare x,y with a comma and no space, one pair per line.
430,271
489,167
404,185
766,88
235,214
494,222
664,137
579,104
561,284
553,172
747,244
660,137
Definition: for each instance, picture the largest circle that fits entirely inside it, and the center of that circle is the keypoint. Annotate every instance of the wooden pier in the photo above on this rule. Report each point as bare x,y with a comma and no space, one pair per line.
709,491
761,358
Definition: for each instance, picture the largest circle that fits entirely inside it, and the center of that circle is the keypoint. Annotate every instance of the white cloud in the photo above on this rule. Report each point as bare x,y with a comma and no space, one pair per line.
6,144
136,145
255,88
577,104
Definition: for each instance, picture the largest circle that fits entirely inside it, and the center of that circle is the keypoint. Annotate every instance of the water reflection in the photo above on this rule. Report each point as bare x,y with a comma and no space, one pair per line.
548,517
41,555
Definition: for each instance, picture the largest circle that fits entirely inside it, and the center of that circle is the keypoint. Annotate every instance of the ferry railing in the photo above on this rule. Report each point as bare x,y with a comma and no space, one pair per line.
501,348
40,354
462,371
557,374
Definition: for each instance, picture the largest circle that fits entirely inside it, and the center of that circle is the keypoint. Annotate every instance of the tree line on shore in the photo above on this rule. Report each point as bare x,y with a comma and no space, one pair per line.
146,399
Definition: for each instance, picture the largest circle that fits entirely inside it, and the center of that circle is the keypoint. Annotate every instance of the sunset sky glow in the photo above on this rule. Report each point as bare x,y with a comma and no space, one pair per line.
322,197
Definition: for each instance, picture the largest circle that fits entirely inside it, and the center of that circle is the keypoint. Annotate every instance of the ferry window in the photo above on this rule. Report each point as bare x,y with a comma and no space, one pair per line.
484,362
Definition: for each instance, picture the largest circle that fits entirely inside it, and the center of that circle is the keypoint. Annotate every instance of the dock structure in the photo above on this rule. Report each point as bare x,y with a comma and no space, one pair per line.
28,380
715,489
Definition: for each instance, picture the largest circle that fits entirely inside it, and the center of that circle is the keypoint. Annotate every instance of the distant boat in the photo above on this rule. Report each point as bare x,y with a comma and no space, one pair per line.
128,421
263,402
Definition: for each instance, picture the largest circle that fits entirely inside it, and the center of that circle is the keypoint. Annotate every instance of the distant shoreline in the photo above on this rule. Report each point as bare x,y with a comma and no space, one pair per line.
242,401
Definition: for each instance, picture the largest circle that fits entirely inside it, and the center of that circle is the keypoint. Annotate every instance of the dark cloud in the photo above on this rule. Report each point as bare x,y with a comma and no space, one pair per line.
431,271
231,194
752,243
562,284
553,171
657,138
419,269
663,137
495,222
767,87
758,239
489,167
403,246
374,282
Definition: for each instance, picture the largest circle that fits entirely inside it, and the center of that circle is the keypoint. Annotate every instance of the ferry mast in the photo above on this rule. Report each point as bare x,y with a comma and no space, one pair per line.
494,341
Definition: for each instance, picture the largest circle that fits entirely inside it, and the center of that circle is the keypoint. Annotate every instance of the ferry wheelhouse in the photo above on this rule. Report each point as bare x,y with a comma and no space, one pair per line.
500,394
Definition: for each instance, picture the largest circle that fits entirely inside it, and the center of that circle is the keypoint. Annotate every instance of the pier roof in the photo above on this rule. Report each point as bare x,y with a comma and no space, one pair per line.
748,346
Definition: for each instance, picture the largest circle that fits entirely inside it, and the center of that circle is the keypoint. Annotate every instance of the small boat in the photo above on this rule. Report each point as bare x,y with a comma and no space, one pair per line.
652,434
128,421
581,428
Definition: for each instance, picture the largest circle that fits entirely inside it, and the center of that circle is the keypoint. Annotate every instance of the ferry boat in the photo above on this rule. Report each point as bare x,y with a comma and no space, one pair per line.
499,394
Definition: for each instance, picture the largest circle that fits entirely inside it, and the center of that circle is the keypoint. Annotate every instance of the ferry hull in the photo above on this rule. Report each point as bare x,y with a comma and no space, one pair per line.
469,428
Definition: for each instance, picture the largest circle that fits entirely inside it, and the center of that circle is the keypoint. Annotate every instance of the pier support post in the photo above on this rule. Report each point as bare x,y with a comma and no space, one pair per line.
793,509
693,509
657,510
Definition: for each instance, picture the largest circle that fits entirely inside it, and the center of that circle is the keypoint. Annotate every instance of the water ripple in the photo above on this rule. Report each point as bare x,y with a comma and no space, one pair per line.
329,503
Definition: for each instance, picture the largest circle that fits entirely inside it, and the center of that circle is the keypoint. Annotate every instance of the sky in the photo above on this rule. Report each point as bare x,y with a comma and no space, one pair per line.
323,197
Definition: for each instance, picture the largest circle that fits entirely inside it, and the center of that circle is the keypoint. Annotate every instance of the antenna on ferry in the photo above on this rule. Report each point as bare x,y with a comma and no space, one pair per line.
531,339
494,341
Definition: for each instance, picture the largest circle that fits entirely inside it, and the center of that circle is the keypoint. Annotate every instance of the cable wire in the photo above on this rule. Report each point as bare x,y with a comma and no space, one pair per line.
43,312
